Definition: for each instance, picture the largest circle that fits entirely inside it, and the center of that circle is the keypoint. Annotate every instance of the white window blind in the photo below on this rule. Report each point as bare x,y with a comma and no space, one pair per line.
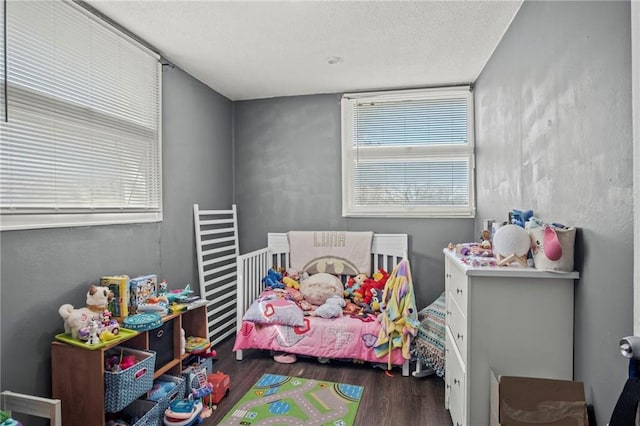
408,153
80,135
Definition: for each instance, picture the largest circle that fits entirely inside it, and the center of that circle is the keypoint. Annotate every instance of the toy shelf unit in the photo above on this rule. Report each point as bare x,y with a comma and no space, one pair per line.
78,373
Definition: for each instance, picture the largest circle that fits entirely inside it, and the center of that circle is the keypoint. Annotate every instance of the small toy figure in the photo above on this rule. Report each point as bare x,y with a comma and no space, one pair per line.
93,338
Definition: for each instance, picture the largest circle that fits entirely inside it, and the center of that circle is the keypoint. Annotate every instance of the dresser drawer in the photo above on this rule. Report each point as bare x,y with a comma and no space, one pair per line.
458,287
455,382
457,323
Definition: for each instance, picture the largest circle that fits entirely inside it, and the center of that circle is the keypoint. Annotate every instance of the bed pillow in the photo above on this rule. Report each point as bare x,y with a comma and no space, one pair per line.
274,311
319,287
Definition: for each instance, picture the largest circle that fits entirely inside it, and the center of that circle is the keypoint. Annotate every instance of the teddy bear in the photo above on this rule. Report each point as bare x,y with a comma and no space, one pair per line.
74,319
353,284
332,308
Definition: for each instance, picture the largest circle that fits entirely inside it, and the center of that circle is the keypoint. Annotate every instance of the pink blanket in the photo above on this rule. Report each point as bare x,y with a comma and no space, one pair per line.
338,338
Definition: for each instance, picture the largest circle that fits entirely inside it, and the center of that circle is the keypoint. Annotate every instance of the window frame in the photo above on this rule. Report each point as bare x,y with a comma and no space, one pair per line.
53,217
407,153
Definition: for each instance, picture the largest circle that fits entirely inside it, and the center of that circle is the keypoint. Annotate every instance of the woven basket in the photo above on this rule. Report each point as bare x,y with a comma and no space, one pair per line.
146,412
123,387
176,392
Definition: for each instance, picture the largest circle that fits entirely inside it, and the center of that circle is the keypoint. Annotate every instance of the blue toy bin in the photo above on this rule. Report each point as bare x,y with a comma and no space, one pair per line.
123,387
176,392
143,413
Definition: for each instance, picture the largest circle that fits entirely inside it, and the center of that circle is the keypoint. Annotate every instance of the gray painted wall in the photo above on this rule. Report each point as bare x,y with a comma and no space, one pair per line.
288,177
554,134
42,269
553,110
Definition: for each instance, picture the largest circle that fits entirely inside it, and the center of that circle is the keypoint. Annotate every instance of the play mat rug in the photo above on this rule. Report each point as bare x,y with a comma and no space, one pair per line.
285,400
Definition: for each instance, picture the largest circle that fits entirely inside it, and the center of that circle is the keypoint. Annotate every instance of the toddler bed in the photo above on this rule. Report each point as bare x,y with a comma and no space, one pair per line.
345,337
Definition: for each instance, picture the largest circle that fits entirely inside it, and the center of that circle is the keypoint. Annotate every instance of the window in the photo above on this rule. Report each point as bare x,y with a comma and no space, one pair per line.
80,121
408,153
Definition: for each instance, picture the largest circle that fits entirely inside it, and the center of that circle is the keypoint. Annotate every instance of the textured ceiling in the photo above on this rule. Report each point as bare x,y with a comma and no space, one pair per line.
251,50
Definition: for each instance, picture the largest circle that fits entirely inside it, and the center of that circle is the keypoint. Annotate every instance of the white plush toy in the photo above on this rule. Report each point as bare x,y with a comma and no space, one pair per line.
74,319
93,333
332,308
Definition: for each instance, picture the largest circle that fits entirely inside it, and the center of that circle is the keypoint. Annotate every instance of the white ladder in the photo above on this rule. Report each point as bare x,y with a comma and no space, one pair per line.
217,250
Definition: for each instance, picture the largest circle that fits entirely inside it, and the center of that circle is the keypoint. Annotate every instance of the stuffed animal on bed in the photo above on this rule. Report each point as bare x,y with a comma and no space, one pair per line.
332,308
319,287
353,284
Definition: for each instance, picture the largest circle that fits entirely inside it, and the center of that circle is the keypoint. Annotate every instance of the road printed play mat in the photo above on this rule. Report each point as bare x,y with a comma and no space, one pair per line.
284,400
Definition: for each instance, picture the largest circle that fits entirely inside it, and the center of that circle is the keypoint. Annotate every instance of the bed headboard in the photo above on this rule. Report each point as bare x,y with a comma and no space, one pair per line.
386,249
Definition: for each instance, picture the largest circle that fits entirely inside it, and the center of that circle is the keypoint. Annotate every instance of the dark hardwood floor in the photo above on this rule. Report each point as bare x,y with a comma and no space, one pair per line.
392,401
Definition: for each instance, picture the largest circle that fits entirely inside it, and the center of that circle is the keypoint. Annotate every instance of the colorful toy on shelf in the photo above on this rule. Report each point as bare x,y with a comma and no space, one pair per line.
158,304
197,345
140,289
119,286
143,321
107,328
97,302
180,295
93,338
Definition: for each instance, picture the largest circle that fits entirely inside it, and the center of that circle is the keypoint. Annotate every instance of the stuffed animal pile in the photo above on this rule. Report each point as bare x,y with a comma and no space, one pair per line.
322,294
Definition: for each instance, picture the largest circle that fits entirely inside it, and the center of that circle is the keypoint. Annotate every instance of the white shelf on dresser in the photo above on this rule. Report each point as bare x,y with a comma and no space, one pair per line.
516,321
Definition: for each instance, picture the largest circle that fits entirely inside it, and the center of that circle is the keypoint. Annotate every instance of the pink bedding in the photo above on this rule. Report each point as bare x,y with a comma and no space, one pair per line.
339,338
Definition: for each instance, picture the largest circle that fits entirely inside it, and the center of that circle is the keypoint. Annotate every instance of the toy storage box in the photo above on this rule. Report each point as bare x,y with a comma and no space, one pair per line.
177,392
119,286
142,288
123,387
144,411
528,401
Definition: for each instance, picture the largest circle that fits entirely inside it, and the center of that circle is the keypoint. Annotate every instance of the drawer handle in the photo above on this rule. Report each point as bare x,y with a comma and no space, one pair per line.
448,386
460,336
456,382
160,333
459,291
448,275
448,313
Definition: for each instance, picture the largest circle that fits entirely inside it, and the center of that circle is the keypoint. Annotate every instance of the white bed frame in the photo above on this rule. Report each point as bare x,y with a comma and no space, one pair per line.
387,250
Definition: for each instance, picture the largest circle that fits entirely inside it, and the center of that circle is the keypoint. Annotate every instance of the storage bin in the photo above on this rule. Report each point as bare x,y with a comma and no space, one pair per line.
161,342
176,392
123,387
141,412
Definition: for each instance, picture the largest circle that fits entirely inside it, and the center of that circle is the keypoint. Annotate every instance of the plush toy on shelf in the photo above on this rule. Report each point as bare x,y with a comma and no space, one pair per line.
98,298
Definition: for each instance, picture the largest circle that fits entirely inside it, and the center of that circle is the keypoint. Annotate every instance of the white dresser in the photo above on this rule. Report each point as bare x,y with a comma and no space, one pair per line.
516,321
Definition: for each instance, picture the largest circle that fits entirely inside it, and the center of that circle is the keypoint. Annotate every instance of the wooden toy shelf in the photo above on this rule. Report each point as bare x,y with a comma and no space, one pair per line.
77,374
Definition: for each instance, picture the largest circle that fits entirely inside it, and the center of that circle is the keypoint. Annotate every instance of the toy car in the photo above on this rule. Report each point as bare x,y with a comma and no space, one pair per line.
221,383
